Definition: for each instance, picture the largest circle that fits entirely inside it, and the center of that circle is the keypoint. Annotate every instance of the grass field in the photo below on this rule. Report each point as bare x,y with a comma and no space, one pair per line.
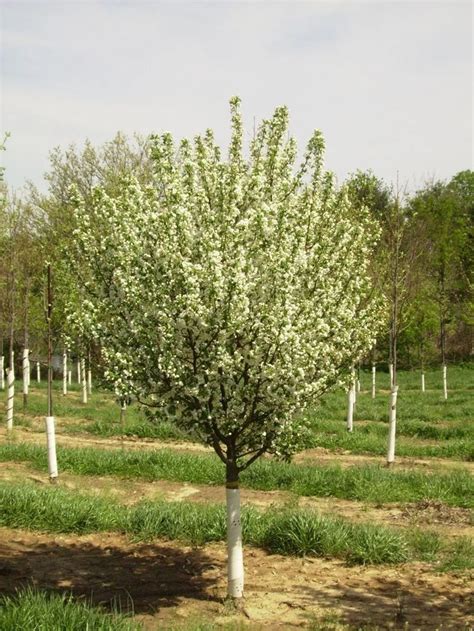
132,536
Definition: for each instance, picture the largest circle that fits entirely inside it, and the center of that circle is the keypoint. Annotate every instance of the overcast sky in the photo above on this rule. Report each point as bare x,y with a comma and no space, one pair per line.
388,83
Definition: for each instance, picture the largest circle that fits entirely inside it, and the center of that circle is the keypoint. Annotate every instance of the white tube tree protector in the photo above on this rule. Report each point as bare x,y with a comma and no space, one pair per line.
89,381
350,407
374,371
64,374
445,382
392,425
10,398
79,371
70,377
422,381
38,372
26,370
51,447
2,372
84,381
235,567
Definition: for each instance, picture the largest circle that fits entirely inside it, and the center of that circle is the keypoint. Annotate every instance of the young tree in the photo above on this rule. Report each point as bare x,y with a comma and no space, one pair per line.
229,295
50,429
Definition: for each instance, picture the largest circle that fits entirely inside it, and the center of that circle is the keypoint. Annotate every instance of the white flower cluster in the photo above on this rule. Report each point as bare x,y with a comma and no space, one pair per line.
235,291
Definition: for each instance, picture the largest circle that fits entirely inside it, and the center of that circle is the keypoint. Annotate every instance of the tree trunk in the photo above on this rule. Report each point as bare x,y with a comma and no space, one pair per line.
79,371
374,370
64,373
38,372
392,425
423,382
2,372
70,377
84,381
235,568
11,371
443,330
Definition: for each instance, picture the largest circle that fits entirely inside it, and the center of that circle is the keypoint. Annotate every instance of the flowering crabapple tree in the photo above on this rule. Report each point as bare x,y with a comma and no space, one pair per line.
230,294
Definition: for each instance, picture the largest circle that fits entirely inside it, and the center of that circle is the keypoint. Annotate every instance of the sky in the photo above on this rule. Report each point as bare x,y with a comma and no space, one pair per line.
388,83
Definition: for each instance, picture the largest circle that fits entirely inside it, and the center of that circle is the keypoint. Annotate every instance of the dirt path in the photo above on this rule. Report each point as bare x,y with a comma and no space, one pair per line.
169,583
318,456
448,521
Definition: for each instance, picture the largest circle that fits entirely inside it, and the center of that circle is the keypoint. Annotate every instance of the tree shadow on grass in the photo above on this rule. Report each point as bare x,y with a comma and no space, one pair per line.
142,577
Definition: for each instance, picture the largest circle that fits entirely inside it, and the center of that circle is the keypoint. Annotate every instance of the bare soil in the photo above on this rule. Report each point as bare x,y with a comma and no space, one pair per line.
170,583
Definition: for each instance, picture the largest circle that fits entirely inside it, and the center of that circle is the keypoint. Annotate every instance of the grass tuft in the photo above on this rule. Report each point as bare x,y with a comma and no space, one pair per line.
32,610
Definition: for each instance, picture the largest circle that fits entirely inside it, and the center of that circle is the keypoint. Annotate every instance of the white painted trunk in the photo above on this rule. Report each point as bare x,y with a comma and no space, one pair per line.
10,398
235,569
38,372
2,372
392,425
358,385
51,446
350,407
26,370
374,372
84,381
79,371
70,377
445,382
422,381
390,370
64,374
89,381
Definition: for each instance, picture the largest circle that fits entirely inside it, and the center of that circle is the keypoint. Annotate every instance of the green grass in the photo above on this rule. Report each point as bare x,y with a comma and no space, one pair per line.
427,426
32,610
287,531
369,483
295,532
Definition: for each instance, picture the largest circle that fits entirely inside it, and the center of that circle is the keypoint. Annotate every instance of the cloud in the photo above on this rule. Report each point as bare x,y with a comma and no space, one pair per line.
387,82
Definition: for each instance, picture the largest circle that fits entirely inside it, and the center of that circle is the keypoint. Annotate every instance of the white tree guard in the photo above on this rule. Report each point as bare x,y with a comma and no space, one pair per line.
70,377
10,398
79,371
422,381
2,372
235,569
64,374
392,425
350,408
89,381
445,382
51,447
38,372
374,372
26,370
84,381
